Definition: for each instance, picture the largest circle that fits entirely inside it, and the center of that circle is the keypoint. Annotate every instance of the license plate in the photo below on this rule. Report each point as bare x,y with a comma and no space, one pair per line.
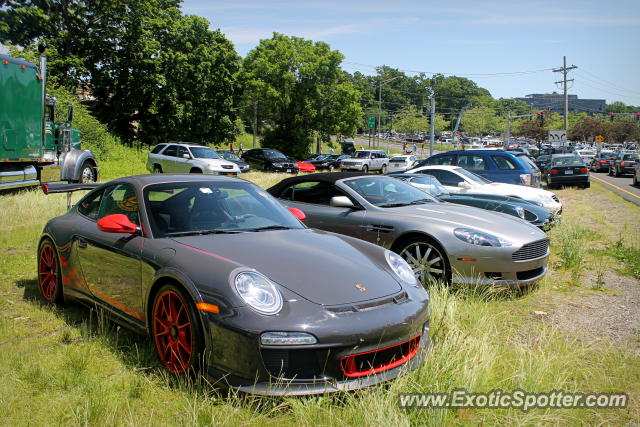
568,172
288,170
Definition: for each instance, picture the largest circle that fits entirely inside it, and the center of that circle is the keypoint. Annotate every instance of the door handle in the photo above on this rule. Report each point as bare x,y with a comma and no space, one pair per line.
82,243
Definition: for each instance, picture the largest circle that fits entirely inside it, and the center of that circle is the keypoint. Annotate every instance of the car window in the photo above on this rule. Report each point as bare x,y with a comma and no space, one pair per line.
203,153
318,193
440,160
90,205
362,155
171,150
197,207
388,192
158,148
448,178
120,199
274,155
470,161
506,163
527,161
566,161
398,159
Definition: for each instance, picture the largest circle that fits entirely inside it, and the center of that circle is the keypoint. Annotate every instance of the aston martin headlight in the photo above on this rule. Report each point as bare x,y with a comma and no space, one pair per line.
401,268
258,292
520,211
480,238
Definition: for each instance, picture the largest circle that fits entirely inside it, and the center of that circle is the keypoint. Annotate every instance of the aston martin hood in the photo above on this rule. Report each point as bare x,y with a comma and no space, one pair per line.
502,225
321,267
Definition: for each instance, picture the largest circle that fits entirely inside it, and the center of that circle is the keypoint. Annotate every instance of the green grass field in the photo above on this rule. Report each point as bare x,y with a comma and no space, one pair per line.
71,366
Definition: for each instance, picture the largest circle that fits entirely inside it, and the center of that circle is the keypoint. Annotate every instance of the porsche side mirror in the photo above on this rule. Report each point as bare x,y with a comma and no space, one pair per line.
341,202
298,213
464,184
117,223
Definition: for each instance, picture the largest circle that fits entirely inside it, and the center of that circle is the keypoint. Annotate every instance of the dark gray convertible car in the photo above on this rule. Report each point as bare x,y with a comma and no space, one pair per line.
441,241
225,280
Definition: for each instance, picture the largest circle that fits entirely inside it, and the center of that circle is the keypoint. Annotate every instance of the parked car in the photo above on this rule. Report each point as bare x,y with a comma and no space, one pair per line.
234,158
402,163
306,167
228,282
636,175
541,161
586,155
179,157
600,162
440,241
567,169
495,165
532,212
328,162
623,164
366,160
462,181
269,160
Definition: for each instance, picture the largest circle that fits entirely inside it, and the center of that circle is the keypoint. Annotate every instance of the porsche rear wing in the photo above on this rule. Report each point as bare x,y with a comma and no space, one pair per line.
67,188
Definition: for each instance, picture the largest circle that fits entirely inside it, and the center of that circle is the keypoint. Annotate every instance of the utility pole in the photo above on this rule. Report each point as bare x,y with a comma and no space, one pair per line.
508,135
455,130
564,70
255,122
432,136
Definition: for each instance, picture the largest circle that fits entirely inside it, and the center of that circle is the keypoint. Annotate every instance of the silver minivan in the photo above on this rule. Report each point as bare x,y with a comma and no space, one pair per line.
182,157
367,160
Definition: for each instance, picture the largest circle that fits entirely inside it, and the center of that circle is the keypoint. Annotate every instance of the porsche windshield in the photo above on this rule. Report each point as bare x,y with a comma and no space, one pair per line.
185,208
387,192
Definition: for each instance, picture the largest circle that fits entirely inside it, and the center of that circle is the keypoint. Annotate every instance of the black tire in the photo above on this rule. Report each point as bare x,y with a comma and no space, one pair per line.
195,170
365,169
610,172
616,173
415,249
157,169
383,170
49,274
178,342
587,185
331,168
635,180
87,172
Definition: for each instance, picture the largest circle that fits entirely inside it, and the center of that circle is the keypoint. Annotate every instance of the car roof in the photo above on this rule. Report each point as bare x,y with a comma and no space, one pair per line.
164,178
328,177
499,150
445,167
187,144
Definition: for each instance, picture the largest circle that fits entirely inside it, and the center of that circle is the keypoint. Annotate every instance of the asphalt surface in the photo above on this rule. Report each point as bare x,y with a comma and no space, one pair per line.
385,145
622,186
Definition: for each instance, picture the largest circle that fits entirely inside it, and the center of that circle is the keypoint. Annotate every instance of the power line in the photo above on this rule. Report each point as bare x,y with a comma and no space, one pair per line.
478,75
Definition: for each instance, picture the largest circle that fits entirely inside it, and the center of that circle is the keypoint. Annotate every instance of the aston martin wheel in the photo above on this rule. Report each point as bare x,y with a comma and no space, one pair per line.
427,259
87,173
49,282
176,330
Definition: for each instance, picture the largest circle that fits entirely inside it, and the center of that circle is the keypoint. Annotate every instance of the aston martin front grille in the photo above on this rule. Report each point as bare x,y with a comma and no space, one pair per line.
531,251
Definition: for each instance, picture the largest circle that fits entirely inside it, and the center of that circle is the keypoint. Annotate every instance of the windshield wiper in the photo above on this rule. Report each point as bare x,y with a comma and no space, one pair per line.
202,232
268,227
397,205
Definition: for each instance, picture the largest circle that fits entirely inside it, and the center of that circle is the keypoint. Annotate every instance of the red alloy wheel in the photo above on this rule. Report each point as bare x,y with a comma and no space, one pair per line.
48,272
172,330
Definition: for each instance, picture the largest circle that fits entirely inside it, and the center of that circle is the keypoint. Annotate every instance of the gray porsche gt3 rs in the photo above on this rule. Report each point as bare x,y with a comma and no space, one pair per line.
225,280
441,241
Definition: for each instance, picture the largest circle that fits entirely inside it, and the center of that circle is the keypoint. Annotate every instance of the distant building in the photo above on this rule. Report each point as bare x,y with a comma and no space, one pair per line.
554,102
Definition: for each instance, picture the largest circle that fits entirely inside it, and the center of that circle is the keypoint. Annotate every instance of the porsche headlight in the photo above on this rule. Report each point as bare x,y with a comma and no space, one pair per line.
480,238
258,292
401,268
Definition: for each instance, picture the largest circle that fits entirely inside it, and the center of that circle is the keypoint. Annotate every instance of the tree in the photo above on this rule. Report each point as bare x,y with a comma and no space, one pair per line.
302,92
585,128
155,74
483,121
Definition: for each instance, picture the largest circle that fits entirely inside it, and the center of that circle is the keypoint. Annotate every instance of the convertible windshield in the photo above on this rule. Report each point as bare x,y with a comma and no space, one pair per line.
387,192
203,153
472,176
184,208
429,184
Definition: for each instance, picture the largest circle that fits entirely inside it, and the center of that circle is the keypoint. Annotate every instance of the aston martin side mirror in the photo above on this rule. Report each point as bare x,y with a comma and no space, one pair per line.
341,202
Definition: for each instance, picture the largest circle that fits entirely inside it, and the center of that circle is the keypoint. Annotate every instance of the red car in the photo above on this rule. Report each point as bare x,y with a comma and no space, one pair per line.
306,167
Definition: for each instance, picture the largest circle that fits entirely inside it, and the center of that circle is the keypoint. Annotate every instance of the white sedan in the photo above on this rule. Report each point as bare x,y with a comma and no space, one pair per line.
402,163
459,180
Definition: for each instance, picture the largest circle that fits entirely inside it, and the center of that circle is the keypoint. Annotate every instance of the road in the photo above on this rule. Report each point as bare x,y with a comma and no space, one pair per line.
386,145
621,186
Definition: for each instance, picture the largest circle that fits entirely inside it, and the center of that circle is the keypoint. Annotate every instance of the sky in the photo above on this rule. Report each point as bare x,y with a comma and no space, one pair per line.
506,46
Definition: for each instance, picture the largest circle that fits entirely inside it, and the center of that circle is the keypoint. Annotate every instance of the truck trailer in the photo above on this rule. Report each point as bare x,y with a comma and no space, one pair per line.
34,147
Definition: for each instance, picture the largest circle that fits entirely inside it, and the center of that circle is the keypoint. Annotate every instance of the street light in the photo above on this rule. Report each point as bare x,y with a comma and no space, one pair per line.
380,104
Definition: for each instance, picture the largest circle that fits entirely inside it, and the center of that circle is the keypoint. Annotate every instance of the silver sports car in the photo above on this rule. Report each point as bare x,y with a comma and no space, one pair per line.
441,241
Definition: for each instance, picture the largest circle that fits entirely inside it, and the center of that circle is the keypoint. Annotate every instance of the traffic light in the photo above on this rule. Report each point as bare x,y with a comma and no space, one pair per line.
540,116
611,116
638,116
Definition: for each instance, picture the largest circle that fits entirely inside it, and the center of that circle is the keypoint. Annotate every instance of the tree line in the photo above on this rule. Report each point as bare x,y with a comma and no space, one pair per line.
155,74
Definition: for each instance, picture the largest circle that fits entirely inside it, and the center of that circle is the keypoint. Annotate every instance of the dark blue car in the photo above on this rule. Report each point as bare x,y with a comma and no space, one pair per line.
494,165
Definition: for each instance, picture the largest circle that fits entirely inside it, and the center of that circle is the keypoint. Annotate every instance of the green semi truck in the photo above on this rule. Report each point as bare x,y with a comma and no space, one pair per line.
34,146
